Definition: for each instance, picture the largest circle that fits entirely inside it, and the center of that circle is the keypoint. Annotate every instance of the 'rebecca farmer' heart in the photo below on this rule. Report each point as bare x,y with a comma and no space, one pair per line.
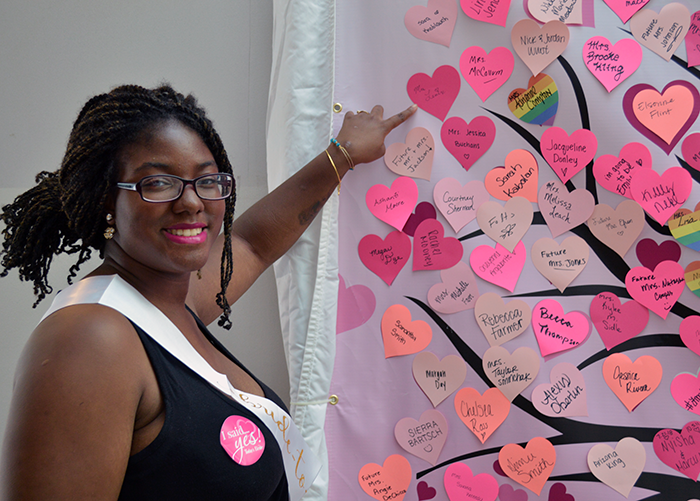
564,395
538,47
662,32
459,203
467,142
401,335
560,264
624,8
615,173
556,331
661,195
462,485
434,23
485,73
435,94
531,466
432,250
424,438
685,389
511,373
389,481
438,378
506,224
501,322
385,258
563,210
424,210
413,158
356,305
617,228
494,12
482,414
565,154
632,382
689,331
457,291
499,266
538,103
393,204
658,290
617,322
518,178
618,468
610,63
680,451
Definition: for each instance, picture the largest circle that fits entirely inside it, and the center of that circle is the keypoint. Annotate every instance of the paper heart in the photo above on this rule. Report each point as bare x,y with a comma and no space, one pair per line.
432,250
424,491
680,451
385,258
414,158
506,224
689,331
424,438
692,277
650,254
242,440
511,373
499,266
467,142
663,116
435,94
538,103
565,154
615,173
617,228
558,493
685,228
459,203
482,414
355,306
538,47
434,23
393,204
389,481
692,40
457,291
564,395
610,63
424,210
662,32
401,335
438,378
491,12
485,73
462,485
551,11
507,493
624,8
632,382
691,149
531,466
518,178
563,210
501,322
617,322
618,468
658,290
556,331
661,196
685,389
560,264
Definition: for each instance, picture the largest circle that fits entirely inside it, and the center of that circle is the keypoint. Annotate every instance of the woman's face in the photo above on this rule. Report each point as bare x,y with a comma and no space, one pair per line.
171,237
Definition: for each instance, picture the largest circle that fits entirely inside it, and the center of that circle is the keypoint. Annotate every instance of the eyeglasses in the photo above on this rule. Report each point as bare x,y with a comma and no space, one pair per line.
166,188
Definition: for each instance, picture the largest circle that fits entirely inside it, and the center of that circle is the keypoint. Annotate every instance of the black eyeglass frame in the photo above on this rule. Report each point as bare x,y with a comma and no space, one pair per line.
137,186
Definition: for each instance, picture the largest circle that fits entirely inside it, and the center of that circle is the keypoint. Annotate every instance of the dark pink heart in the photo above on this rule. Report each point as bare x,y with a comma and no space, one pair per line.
497,468
385,258
355,306
432,250
507,493
425,491
467,142
437,93
558,493
650,253
424,210
617,322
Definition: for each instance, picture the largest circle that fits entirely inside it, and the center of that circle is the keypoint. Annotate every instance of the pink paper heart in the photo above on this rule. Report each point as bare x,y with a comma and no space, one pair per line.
511,373
564,395
624,8
558,493
424,491
438,378
498,266
424,438
413,158
485,73
393,204
674,449
692,40
434,23
650,254
435,94
617,322
501,322
424,210
658,290
615,173
432,250
538,47
507,493
556,331
689,331
462,485
662,32
617,228
661,196
563,210
488,12
685,389
467,142
385,258
565,154
505,224
355,306
560,264
691,149
459,203
457,291
610,63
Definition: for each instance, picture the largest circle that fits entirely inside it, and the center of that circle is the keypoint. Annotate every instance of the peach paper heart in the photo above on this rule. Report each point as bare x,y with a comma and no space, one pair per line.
385,258
459,203
432,250
434,23
517,178
565,154
457,291
468,142
560,264
538,47
658,290
389,481
556,331
413,158
618,468
664,114
462,485
506,224
438,378
531,466
617,228
615,173
511,373
662,32
499,266
482,414
661,196
401,335
610,63
435,94
617,322
485,73
424,438
624,8
393,204
563,210
632,382
564,395
501,322
492,12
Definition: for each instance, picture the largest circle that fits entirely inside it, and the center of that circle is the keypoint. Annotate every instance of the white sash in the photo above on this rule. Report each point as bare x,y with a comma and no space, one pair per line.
300,464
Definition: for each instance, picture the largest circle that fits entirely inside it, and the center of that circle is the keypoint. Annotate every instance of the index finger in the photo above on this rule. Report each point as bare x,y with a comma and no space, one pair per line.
399,118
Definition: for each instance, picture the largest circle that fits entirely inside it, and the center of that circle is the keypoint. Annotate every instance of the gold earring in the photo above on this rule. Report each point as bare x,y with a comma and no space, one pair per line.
110,230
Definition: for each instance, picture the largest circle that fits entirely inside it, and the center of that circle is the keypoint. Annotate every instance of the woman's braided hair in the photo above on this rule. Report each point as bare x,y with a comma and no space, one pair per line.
64,212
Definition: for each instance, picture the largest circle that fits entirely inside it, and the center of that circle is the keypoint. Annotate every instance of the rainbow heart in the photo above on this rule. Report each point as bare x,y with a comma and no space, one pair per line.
538,103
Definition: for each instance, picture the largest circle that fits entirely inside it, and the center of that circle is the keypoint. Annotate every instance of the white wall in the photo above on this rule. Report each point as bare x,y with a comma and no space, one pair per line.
55,55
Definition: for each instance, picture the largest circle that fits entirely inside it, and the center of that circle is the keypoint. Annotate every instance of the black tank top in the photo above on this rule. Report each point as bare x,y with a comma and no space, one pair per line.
186,460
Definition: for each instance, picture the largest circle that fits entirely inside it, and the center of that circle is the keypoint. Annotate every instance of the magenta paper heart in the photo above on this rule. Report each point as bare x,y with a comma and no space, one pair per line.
462,485
624,8
434,23
437,93
615,173
691,150
467,142
558,493
428,442
394,204
678,125
563,210
457,291
685,389
432,250
617,322
650,254
610,63
674,448
690,333
438,378
485,73
492,12
661,196
692,40
565,154
385,258
355,306
414,158
458,203
658,290
424,210
556,331
662,33
425,492
497,265
507,493
564,395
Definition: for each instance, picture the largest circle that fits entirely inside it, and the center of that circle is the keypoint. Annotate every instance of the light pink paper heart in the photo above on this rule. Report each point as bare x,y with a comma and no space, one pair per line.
424,438
691,149
457,291
617,322
674,449
692,40
685,389
432,250
506,224
385,258
548,11
517,178
538,47
565,154
689,331
664,114
393,204
556,331
615,173
497,265
501,322
434,23
438,378
560,264
511,373
462,485
563,210
435,94
658,290
618,468
662,32
414,158
661,195
564,395
459,203
355,306
610,63
492,12
467,142
485,73
624,8
617,228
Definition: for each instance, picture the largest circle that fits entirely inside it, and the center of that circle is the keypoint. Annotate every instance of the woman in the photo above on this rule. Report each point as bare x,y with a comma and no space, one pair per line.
101,410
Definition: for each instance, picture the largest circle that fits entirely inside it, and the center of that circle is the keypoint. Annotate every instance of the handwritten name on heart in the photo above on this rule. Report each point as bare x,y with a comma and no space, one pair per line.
658,290
531,466
482,414
385,257
424,438
680,451
459,203
538,103
438,378
501,322
620,467
457,291
498,266
389,481
492,12
689,331
401,335
632,382
615,173
662,32
566,11
555,331
660,196
563,210
414,158
560,264
610,63
432,250
564,395
617,322
624,8
617,228
506,224
685,228
435,94
565,154
434,23
517,178
462,485
467,142
685,390
485,73
691,146
692,40
538,47
511,373
356,305
393,204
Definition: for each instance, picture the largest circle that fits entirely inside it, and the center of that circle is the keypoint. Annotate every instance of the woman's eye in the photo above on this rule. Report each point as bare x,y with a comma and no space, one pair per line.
156,184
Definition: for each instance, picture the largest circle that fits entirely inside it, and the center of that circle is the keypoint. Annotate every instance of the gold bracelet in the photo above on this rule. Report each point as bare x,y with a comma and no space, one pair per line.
334,168
345,152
